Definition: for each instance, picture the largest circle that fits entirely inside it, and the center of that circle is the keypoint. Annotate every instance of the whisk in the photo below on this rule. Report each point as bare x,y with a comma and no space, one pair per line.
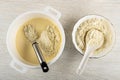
32,36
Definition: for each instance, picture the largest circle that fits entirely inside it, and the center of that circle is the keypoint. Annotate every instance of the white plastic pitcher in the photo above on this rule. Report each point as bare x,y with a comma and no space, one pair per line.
17,63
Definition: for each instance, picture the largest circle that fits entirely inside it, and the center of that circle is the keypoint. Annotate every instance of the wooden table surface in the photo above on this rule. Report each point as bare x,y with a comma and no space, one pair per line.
106,68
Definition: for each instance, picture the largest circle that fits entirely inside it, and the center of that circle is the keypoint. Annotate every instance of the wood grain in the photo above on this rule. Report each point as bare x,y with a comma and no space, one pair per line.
106,68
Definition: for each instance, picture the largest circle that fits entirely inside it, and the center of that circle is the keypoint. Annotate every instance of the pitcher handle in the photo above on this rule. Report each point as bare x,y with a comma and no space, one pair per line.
18,67
53,12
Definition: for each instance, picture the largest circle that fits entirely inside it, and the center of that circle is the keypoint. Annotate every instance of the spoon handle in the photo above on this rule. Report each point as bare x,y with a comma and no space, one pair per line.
40,57
84,61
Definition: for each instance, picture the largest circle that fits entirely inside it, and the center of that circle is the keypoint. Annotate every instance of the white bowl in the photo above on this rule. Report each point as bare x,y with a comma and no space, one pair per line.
101,54
17,63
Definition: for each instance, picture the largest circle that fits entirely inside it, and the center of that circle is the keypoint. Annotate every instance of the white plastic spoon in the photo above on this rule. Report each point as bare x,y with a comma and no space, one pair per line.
94,40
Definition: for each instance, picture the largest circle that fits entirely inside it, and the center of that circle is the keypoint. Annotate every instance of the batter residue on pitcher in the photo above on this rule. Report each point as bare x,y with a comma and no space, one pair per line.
49,40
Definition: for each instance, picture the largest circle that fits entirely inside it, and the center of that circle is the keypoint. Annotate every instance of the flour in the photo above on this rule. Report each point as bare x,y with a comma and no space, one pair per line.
94,38
48,41
100,25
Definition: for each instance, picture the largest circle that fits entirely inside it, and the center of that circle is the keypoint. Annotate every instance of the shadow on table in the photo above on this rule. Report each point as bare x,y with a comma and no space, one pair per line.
70,58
